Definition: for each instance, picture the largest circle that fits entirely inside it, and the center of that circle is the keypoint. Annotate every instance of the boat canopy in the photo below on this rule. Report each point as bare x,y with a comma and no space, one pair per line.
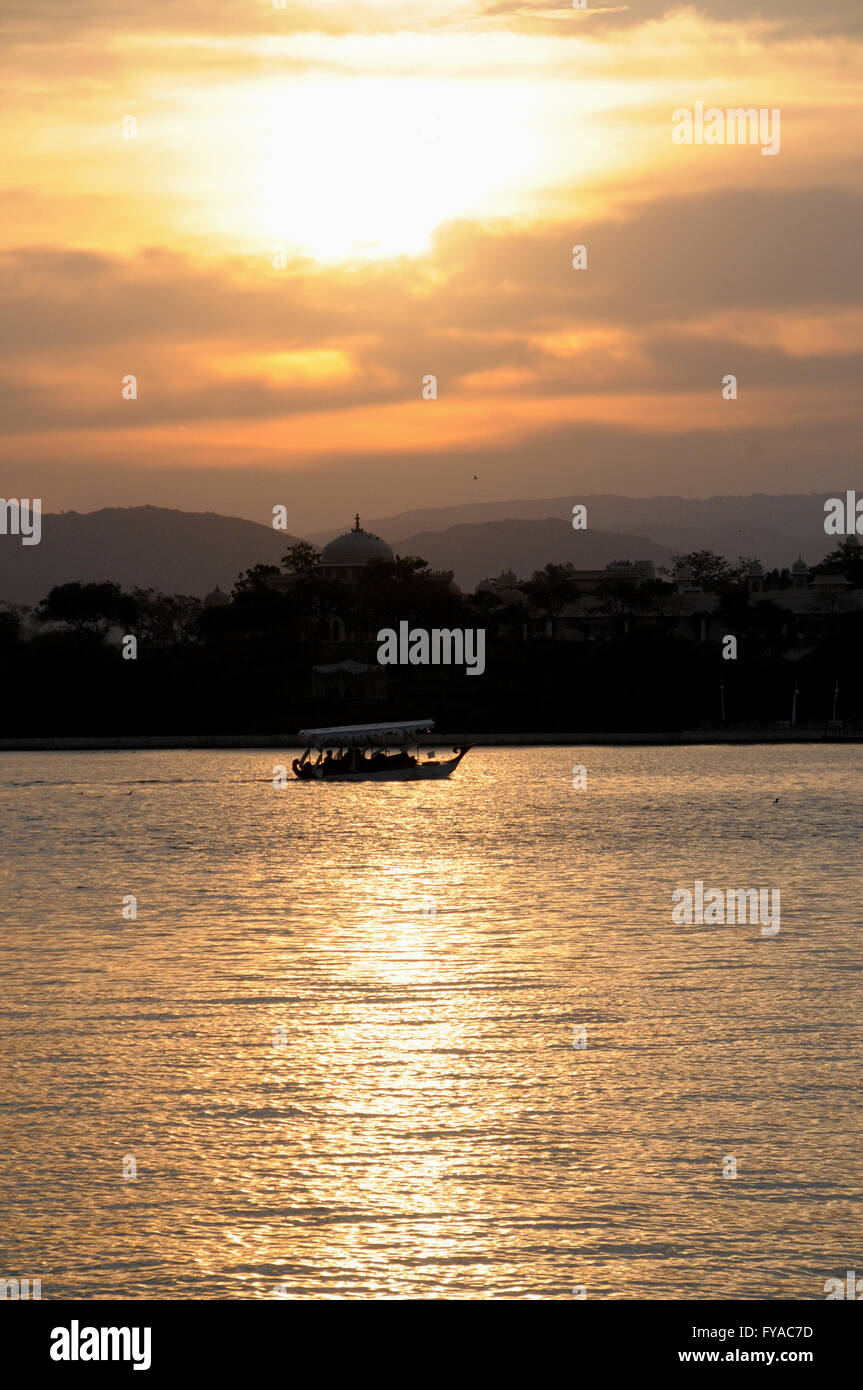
362,733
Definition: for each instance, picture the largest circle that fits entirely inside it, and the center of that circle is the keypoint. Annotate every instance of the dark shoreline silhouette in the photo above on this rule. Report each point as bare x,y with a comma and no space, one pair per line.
685,738
610,655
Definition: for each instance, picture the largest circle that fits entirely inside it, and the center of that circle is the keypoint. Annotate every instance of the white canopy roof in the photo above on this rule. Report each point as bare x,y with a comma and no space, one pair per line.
345,733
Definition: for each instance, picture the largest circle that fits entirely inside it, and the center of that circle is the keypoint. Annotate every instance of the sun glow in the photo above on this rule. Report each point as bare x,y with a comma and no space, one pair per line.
368,167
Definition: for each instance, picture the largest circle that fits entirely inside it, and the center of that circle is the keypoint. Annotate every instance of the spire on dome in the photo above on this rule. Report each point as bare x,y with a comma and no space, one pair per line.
357,526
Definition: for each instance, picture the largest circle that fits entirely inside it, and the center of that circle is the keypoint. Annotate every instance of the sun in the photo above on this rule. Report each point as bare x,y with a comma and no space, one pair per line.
370,166
357,166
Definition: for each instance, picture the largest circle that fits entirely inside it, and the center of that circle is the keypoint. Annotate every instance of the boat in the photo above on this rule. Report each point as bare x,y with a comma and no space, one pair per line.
372,753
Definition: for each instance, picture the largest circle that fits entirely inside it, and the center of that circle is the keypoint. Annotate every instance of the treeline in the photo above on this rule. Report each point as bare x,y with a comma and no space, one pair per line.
389,590
262,682
247,666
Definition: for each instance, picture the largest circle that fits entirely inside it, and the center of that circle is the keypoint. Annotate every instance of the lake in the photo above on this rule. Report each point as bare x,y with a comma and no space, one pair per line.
430,1040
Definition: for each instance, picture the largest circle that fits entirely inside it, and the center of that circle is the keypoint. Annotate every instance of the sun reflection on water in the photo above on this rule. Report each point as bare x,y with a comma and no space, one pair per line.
339,1036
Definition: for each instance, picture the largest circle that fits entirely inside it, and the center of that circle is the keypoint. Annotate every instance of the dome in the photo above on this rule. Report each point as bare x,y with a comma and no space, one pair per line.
217,599
800,566
754,569
355,547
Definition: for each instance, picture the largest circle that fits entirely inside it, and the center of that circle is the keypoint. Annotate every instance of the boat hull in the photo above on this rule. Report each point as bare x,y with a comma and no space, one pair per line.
423,772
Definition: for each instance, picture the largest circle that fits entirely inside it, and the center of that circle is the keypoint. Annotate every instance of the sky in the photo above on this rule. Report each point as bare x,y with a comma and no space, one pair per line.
324,205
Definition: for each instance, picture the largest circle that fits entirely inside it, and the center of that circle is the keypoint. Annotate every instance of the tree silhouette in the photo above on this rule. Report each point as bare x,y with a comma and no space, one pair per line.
709,570
847,560
301,559
90,610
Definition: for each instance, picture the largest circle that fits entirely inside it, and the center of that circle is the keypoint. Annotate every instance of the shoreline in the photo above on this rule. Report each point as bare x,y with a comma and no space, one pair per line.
682,738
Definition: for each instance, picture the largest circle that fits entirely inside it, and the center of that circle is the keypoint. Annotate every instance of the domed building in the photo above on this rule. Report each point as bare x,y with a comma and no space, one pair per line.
217,598
800,573
504,588
346,557
344,560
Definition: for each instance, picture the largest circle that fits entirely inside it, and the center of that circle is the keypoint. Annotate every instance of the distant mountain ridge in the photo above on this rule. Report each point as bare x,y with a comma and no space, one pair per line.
192,552
479,550
151,547
775,528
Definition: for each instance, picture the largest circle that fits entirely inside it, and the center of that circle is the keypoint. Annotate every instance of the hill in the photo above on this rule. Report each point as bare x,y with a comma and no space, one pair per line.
153,547
776,529
480,550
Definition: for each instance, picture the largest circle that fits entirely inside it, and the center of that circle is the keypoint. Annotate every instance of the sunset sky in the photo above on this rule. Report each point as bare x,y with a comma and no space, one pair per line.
426,170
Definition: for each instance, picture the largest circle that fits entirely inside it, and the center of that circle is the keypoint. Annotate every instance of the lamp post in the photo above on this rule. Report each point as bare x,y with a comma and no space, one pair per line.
794,707
835,699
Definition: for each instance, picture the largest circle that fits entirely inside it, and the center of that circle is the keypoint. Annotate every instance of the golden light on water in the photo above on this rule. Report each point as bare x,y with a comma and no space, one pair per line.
333,1091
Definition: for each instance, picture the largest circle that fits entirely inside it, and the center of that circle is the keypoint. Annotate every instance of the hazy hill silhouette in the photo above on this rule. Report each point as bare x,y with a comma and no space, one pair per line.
153,547
192,552
479,550
775,528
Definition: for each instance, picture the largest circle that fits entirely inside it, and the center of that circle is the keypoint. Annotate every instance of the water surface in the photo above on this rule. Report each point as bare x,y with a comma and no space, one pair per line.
338,1038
